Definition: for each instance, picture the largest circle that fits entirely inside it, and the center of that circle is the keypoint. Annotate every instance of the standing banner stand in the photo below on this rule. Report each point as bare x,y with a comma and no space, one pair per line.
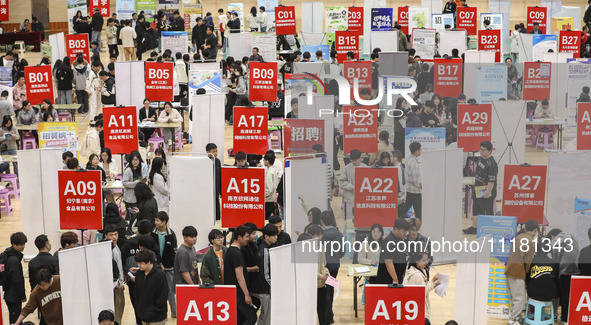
473,61
558,101
175,41
383,40
312,17
442,189
191,180
449,40
129,83
208,122
393,64
239,45
394,304
58,46
293,293
39,194
194,304
472,291
313,38
86,282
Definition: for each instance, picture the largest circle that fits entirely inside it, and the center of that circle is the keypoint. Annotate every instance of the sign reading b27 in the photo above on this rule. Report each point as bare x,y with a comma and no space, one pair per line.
569,41
243,196
80,199
211,306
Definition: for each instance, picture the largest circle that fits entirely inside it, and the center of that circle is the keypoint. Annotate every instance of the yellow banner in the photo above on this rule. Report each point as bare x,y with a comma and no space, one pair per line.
562,23
59,134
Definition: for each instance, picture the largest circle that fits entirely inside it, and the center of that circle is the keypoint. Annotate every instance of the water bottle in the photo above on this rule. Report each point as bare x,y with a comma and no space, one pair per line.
531,116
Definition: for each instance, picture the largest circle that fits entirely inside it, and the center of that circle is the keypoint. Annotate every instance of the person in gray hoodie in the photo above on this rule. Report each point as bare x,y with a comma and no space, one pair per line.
81,70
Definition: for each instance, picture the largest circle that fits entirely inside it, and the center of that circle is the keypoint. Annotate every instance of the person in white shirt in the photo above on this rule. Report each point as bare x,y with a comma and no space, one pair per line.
127,36
263,20
271,182
169,115
93,88
223,25
253,20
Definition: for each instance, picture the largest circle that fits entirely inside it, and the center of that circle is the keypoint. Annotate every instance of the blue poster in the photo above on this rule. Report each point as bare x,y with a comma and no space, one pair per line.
125,8
542,44
210,80
582,221
381,18
491,83
313,48
502,231
429,138
270,10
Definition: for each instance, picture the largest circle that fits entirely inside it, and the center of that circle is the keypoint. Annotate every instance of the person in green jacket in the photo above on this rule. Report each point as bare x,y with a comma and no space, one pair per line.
212,268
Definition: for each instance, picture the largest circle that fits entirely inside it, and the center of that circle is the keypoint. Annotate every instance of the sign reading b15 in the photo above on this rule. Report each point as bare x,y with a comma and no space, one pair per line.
80,199
211,306
385,305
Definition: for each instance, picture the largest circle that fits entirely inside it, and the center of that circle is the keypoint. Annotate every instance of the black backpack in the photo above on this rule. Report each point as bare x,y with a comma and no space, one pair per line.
3,273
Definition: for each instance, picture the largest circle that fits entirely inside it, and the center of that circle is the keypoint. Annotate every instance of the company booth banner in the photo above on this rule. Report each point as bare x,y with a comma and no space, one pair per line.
467,17
148,6
474,126
250,129
244,197
285,21
215,305
361,128
59,134
570,42
578,76
355,20
580,300
448,77
302,134
491,83
490,41
39,82
394,305
524,192
423,41
120,126
266,43
4,16
102,5
80,199
262,83
537,15
346,42
376,196
403,19
536,80
360,71
159,81
584,126
429,138
335,18
77,43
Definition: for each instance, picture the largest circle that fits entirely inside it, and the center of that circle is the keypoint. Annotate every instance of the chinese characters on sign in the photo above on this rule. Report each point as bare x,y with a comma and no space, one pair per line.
301,135
376,196
262,81
4,10
285,21
251,129
361,128
536,80
537,15
346,42
381,18
159,81
39,83
448,77
244,197
120,129
80,199
490,41
570,42
524,191
474,125
77,43
102,5
583,126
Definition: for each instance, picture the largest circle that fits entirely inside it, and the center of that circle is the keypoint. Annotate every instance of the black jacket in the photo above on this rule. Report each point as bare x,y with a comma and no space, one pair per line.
177,24
65,77
170,246
110,87
83,27
151,111
262,278
14,288
37,27
425,118
333,259
130,248
199,34
542,278
249,251
234,25
450,7
151,292
121,226
140,30
585,261
43,260
148,210
97,22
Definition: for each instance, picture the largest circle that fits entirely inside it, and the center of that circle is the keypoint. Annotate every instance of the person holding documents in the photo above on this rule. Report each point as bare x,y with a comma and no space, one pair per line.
417,274
485,185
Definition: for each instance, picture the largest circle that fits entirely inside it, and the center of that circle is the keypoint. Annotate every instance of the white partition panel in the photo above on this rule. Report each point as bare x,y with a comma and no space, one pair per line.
306,272
313,38
449,40
130,83
239,45
192,198
393,64
309,67
312,17
384,40
51,162
31,197
283,291
58,46
525,48
208,122
100,274
367,6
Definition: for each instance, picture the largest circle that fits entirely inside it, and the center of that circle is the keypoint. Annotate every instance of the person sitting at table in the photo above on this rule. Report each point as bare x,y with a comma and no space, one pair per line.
543,112
370,254
8,138
148,114
94,164
7,60
47,107
169,115
46,117
26,116
25,26
109,166
37,26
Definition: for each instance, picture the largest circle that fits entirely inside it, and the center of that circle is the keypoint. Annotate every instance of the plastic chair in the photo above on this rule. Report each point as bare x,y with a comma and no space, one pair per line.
547,138
529,131
538,316
5,196
13,179
28,141
178,138
274,139
64,117
156,142
21,47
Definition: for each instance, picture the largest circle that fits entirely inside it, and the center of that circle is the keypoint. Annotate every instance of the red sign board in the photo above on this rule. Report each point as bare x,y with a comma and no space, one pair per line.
490,40
360,71
355,20
467,17
80,199
262,81
537,15
3,17
403,19
285,20
474,125
301,135
583,126
212,306
536,80
524,191
39,83
384,305
570,42
448,77
361,128
158,77
251,129
120,129
244,197
579,311
102,5
376,196
77,43
346,42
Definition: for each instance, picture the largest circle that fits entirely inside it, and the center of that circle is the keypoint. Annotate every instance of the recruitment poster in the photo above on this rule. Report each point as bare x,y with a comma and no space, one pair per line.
175,41
335,18
474,125
429,138
537,15
439,21
239,9
376,196
59,134
125,9
302,134
582,221
423,41
381,18
190,12
103,6
149,8
541,44
491,83
266,43
578,76
419,17
210,80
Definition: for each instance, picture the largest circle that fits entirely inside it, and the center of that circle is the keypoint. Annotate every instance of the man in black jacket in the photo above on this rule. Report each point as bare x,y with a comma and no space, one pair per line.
450,7
429,118
83,27
212,148
262,279
166,253
140,30
43,260
150,289
211,45
96,24
108,90
177,23
283,238
14,284
199,34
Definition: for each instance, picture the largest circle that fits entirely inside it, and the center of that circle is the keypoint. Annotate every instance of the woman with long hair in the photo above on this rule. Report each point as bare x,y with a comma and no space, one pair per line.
158,184
77,19
439,108
416,274
370,255
47,108
384,145
147,207
132,176
169,115
160,153
65,77
94,164
385,160
253,21
109,166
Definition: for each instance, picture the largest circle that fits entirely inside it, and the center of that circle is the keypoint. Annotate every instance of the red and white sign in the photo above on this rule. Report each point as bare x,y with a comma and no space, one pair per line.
355,20
120,129
384,305
583,126
159,81
474,125
77,43
39,83
536,80
211,306
569,41
467,17
346,42
301,135
524,191
536,15
579,311
251,129
403,19
80,199
376,196
361,128
102,5
4,17
243,199
285,20
262,81
360,71
490,41
448,77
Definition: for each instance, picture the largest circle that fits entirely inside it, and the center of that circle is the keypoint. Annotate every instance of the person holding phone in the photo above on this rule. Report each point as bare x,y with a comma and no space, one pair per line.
169,115
135,172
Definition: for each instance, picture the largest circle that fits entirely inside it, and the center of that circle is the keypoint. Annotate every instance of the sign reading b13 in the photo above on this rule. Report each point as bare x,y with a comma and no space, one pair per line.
159,81
243,199
404,305
77,43
80,199
376,196
211,306
120,129
474,125
39,83
262,81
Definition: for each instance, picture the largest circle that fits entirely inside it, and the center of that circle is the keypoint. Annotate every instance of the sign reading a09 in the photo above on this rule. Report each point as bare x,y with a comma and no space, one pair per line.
489,39
568,40
354,15
38,77
158,74
77,43
537,15
258,73
410,310
357,72
476,118
466,14
253,187
80,189
347,40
